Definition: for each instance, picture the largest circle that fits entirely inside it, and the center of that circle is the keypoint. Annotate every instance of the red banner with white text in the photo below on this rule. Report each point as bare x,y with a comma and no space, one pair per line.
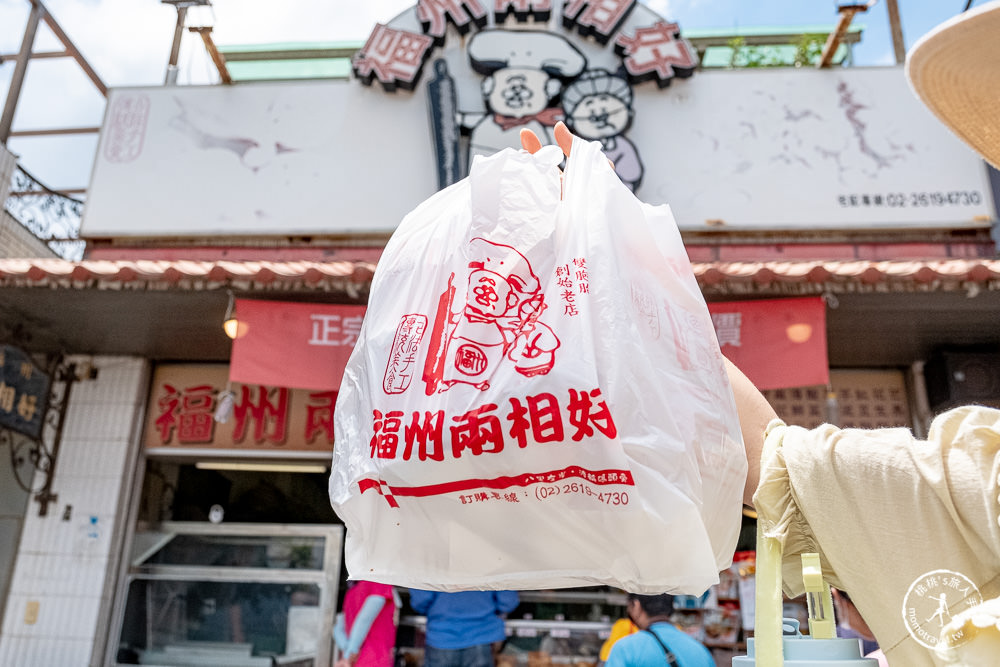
777,343
300,345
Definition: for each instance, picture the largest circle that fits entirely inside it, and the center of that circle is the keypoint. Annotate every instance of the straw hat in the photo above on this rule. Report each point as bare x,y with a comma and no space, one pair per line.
955,70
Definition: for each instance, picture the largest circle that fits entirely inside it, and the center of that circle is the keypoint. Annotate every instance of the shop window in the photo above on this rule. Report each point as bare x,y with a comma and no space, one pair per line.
861,399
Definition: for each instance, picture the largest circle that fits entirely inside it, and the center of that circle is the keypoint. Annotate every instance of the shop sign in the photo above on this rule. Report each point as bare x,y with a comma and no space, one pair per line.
24,393
301,345
738,149
777,343
185,397
531,77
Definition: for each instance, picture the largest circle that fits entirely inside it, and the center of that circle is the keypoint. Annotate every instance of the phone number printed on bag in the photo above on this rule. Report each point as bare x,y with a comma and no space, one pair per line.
480,431
550,484
606,497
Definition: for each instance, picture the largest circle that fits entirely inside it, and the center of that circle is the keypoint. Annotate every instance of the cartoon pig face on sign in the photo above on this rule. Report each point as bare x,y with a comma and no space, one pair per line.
519,91
500,278
524,73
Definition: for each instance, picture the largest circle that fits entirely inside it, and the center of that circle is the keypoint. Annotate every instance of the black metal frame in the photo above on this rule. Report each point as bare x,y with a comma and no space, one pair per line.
51,217
43,453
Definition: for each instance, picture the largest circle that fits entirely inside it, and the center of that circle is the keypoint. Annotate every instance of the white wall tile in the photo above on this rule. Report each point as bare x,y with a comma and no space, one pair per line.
13,618
31,533
59,564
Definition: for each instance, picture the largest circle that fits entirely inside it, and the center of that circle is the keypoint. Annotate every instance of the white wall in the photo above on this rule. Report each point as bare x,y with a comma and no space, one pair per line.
67,566
15,239
782,148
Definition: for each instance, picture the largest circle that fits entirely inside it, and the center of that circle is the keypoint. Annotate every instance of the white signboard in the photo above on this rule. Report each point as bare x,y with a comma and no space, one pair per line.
805,149
779,149
265,159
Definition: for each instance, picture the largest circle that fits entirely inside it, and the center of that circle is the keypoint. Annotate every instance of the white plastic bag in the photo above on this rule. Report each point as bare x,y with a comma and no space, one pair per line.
537,398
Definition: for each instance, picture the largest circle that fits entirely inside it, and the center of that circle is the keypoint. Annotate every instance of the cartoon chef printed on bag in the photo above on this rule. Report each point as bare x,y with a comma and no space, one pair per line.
525,73
497,323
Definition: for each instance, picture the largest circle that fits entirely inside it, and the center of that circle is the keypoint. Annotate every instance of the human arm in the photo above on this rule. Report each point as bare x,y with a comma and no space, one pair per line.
506,601
370,609
421,601
340,633
755,413
932,507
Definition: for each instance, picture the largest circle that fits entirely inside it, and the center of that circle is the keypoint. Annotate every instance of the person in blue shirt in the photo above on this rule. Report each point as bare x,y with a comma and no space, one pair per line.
463,627
659,642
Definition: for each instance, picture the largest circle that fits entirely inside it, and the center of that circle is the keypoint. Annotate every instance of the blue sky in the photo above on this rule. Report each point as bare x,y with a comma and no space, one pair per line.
128,43
917,17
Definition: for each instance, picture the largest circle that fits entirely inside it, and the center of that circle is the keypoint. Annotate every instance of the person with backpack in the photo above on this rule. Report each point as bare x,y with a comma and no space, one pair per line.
658,642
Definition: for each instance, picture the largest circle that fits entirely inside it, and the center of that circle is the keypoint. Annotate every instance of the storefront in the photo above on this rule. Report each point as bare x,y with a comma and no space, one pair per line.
153,542
188,536
236,552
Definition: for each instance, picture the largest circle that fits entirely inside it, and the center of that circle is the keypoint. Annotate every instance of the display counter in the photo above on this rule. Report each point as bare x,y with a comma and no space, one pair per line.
529,642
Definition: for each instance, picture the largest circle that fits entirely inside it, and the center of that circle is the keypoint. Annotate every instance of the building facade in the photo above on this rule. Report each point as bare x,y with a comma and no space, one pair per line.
829,185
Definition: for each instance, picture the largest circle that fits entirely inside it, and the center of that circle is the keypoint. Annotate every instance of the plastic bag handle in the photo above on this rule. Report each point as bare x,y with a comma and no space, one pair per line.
584,156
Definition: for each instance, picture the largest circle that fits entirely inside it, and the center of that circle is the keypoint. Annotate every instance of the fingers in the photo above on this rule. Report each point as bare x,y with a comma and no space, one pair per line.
530,141
563,137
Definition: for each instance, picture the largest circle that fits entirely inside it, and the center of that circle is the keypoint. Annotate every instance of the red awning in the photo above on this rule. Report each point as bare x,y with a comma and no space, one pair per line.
722,277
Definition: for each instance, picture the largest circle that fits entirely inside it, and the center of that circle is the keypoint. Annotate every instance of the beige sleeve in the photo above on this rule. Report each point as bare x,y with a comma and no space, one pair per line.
883,510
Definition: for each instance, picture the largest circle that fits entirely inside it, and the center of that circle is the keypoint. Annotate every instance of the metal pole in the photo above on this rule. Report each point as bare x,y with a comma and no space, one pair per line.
175,49
833,39
70,47
217,58
897,31
20,69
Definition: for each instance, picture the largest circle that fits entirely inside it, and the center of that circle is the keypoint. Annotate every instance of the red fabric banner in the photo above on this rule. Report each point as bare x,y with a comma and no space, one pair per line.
777,343
299,345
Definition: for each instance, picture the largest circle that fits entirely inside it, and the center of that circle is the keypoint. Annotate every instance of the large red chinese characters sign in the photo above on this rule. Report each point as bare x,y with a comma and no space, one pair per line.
395,57
185,397
537,69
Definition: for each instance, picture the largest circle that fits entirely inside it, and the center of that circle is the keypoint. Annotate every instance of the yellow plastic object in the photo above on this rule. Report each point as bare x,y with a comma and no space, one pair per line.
768,611
821,621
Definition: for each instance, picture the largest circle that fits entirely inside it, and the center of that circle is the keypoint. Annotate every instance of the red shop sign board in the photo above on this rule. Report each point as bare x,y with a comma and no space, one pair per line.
184,398
301,345
777,343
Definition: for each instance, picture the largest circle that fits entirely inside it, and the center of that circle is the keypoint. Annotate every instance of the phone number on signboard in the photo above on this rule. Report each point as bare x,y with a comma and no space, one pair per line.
913,199
606,497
